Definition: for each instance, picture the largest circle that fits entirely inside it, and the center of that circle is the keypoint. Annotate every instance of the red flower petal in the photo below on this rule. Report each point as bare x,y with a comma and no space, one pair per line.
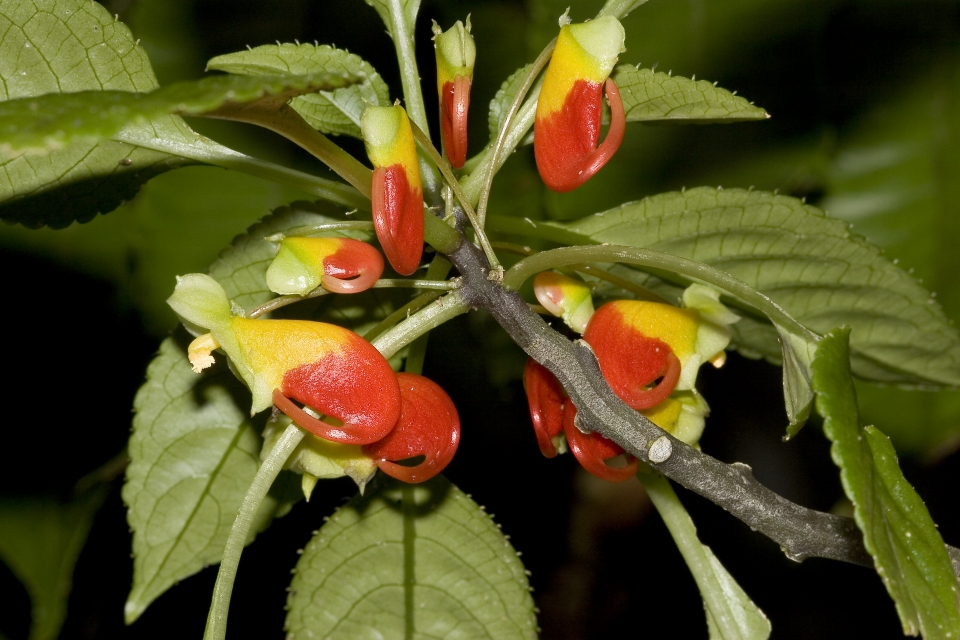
398,218
545,397
592,450
428,426
356,387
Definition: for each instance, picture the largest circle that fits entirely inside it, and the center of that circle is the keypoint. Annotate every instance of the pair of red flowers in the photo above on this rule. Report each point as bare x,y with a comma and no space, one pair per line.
566,130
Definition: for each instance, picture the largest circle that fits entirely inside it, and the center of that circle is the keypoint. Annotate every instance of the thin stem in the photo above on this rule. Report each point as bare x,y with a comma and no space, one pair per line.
444,167
619,8
417,353
542,230
632,287
403,42
494,157
220,156
445,308
513,247
385,283
220,605
694,553
292,126
312,229
566,256
403,312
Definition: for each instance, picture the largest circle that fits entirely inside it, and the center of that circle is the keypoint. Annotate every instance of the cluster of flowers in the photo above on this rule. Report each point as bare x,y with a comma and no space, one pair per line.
649,354
362,415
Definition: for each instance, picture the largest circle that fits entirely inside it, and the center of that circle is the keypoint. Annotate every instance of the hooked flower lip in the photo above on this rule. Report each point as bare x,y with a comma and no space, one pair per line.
546,399
567,125
341,265
397,193
428,426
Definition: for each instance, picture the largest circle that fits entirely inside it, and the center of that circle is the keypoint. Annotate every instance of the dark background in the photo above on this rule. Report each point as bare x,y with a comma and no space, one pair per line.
836,75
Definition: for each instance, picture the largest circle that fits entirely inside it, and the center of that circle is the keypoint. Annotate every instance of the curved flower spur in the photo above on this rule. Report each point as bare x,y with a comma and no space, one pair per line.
429,426
456,56
397,193
323,366
567,125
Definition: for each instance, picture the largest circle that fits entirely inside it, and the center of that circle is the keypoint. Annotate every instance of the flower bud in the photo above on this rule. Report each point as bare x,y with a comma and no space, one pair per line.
341,265
567,125
456,55
565,297
397,193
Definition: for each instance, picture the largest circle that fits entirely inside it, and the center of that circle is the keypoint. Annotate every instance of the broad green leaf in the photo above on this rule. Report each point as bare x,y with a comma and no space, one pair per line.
809,264
193,453
336,111
40,540
898,532
731,614
68,46
55,120
649,95
410,561
501,102
73,45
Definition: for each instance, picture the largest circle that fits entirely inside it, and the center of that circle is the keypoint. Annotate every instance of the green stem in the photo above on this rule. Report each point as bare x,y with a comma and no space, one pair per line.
385,283
533,229
403,41
309,230
218,155
694,553
567,256
498,146
444,167
417,353
619,8
445,308
269,469
289,124
403,312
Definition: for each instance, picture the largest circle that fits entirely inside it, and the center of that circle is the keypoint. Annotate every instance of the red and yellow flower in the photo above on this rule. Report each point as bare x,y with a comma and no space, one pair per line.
326,367
456,55
397,193
341,265
567,125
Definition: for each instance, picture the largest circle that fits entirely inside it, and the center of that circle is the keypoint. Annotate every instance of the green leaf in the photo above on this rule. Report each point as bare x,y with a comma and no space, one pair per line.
337,111
798,353
73,45
898,532
731,614
807,263
40,540
505,95
193,453
650,95
410,561
55,120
